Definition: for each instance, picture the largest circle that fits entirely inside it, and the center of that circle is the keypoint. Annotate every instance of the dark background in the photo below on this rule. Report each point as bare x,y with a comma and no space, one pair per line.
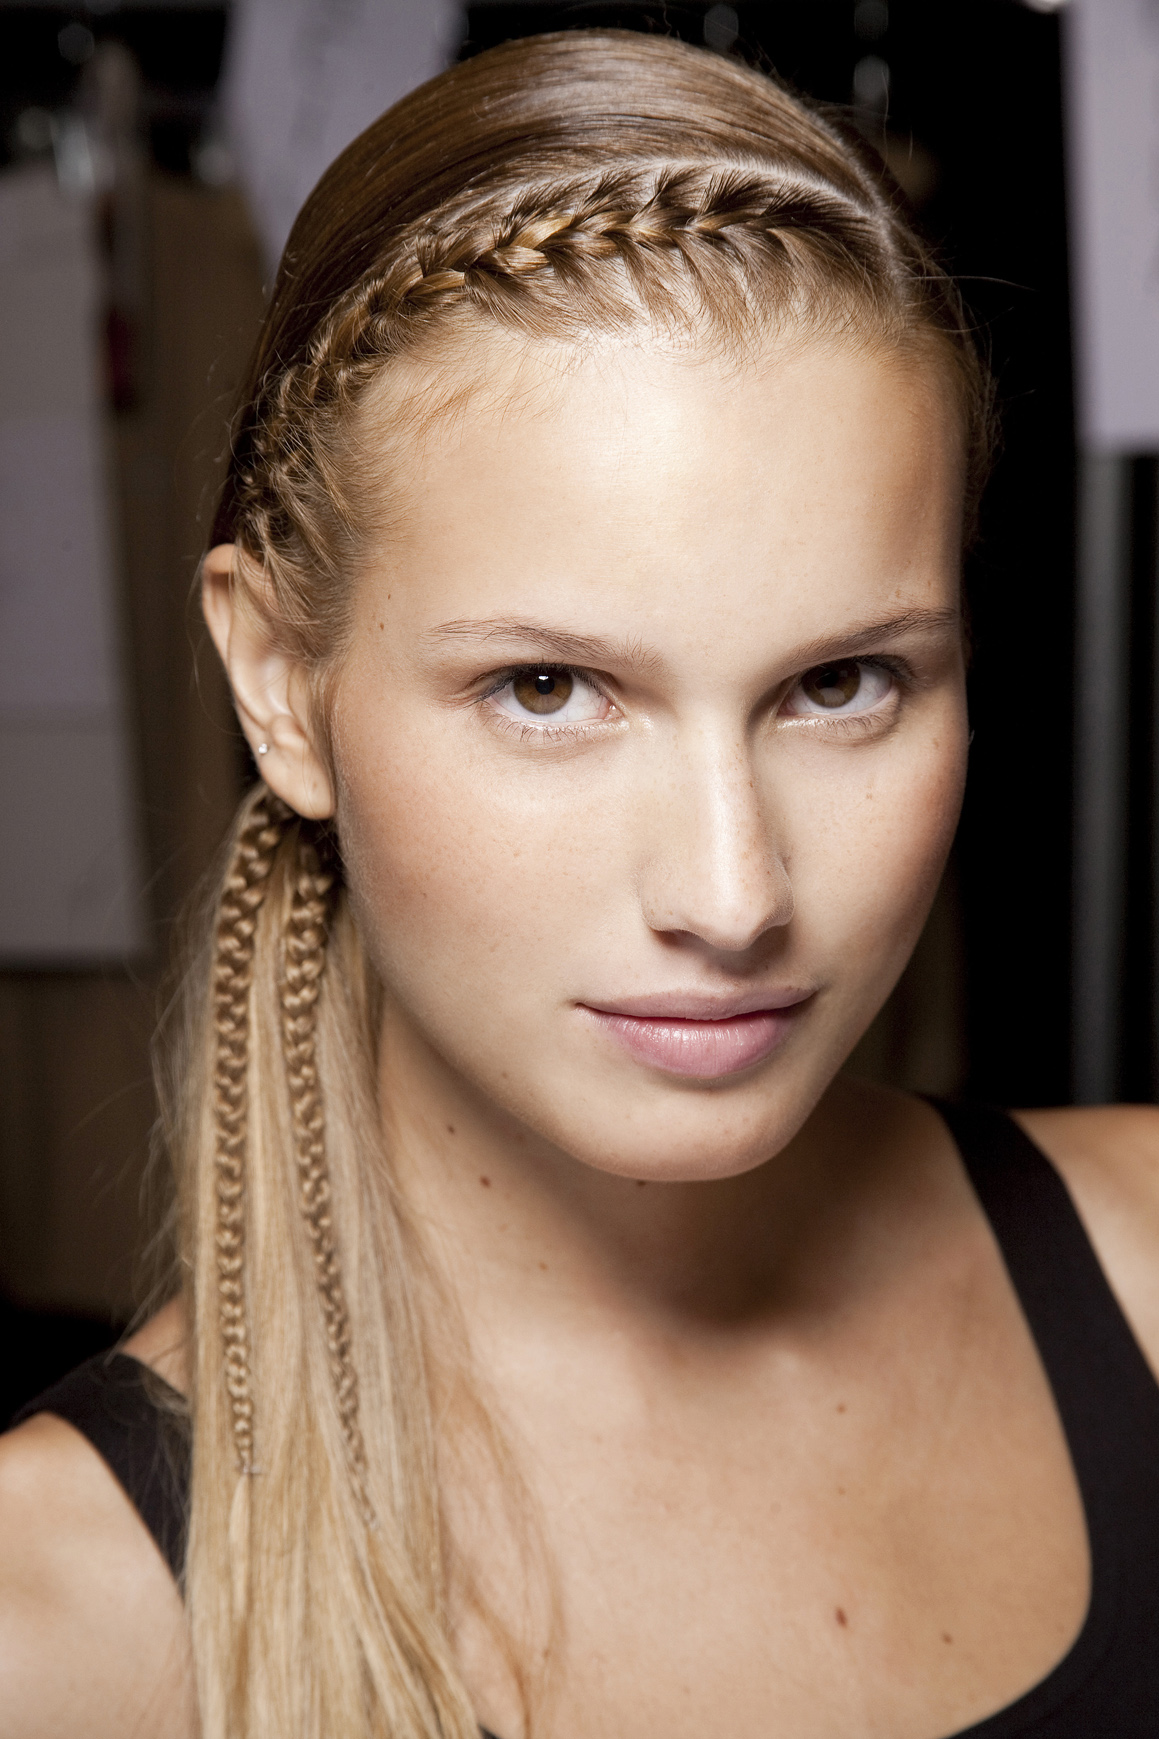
973,126
976,86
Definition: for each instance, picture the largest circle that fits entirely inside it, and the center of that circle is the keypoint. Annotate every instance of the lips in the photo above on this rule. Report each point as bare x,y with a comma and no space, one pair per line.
704,1038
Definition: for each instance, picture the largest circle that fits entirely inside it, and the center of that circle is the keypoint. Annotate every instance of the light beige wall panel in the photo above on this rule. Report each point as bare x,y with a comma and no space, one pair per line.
75,1097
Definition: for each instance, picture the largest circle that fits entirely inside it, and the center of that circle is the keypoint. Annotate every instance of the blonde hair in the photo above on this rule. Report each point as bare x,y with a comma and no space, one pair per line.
318,1564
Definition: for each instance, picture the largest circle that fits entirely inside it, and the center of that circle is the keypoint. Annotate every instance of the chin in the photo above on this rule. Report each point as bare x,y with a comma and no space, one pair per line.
674,1130
697,1137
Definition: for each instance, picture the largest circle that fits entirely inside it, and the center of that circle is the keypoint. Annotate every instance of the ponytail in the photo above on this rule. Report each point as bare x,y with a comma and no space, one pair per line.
315,1573
555,188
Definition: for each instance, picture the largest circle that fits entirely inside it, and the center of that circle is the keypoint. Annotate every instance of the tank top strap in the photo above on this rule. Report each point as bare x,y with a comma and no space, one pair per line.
1107,1399
1103,1387
136,1422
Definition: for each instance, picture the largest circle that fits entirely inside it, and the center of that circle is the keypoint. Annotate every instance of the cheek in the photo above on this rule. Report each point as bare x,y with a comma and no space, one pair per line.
868,848
465,874
486,886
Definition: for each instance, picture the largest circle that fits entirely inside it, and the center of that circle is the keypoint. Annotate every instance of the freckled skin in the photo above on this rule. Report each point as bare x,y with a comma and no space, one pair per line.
718,521
777,1412
674,1285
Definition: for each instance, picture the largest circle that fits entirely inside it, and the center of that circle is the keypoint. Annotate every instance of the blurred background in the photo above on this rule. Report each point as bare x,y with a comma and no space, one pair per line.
152,157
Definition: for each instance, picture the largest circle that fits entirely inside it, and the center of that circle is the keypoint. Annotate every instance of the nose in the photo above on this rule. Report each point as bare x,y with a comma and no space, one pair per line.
713,868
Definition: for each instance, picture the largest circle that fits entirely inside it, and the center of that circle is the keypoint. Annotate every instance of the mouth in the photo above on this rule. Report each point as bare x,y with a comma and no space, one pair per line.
700,1037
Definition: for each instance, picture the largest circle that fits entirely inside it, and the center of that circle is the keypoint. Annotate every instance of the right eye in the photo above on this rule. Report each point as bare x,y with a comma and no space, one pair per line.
546,692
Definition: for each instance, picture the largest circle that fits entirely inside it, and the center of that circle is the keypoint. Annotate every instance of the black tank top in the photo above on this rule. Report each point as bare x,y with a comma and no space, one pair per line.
1107,1686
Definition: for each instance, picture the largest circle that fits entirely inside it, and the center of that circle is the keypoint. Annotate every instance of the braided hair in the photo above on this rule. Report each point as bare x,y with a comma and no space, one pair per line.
242,894
557,188
776,221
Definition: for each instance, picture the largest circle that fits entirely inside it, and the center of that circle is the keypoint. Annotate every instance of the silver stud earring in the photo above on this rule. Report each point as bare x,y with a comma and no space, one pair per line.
263,748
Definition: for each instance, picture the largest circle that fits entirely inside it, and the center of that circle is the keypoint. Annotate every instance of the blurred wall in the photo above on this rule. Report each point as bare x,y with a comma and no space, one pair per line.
966,105
76,1103
973,110
305,77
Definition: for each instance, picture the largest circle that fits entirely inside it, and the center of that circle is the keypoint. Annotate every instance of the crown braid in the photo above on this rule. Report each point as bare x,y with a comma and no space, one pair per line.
571,233
634,219
743,245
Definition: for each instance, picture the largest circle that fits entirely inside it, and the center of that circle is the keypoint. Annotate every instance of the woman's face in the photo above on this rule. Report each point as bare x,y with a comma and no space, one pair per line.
650,742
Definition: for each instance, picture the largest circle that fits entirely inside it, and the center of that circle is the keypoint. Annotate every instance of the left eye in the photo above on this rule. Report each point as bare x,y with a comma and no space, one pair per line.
541,692
851,686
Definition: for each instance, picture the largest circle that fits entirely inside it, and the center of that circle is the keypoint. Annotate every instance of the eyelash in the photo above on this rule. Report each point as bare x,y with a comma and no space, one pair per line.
856,725
850,726
546,732
901,671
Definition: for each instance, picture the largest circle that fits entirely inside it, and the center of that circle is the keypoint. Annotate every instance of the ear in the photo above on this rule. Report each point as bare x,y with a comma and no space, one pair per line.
270,691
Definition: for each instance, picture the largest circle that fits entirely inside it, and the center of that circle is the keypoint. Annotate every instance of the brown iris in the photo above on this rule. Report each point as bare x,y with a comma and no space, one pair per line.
542,691
832,685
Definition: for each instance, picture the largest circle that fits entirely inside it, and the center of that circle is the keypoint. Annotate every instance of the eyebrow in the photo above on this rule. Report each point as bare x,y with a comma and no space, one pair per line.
560,643
588,649
872,634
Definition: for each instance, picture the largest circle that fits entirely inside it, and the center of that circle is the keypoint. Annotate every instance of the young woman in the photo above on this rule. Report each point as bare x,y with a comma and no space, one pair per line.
567,1347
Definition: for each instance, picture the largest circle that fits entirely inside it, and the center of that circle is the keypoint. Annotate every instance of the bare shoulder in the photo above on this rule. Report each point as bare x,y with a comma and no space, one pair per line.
1109,1157
92,1629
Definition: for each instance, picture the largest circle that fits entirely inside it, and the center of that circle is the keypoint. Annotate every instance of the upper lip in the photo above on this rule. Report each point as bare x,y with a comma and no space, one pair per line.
698,1004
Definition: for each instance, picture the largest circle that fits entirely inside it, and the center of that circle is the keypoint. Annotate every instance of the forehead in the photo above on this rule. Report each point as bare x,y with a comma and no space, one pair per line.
646,477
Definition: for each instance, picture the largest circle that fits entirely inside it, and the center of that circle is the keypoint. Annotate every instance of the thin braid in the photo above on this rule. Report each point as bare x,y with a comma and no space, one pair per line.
565,232
702,216
304,962
245,889
683,212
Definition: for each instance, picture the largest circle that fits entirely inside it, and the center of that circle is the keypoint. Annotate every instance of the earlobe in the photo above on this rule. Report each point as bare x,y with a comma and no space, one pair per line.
269,691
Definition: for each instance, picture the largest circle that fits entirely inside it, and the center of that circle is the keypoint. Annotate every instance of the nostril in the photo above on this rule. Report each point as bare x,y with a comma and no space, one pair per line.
725,927
715,869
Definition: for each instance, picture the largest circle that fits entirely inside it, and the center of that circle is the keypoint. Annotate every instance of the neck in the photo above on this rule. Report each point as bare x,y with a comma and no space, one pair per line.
510,1216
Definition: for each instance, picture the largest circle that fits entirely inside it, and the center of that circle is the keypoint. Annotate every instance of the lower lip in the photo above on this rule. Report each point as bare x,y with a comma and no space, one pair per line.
701,1049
